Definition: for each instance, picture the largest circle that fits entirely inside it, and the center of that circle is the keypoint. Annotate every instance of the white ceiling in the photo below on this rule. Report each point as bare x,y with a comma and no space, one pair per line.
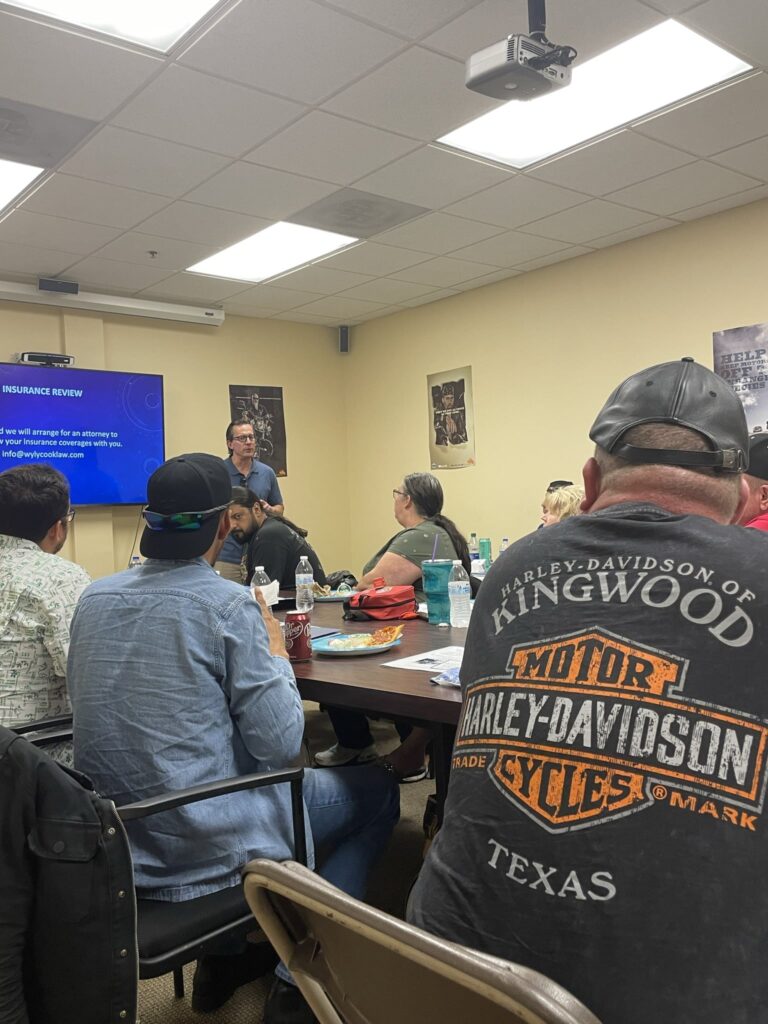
274,105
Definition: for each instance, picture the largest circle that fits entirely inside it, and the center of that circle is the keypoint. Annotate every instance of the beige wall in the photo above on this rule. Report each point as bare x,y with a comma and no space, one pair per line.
198,364
545,349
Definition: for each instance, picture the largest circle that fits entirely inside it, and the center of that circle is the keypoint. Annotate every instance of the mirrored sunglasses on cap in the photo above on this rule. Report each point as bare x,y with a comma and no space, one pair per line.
177,521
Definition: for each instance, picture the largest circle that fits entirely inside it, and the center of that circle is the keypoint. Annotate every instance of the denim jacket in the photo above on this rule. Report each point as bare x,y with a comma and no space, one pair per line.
172,685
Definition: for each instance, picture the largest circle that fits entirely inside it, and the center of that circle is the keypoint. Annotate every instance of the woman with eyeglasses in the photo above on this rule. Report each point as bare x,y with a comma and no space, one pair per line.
425,533
418,504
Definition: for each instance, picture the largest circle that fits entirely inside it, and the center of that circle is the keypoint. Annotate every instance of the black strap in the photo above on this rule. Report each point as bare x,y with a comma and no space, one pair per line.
730,460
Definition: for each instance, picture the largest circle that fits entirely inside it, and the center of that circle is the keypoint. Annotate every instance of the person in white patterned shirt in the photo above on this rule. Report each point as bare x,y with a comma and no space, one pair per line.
38,594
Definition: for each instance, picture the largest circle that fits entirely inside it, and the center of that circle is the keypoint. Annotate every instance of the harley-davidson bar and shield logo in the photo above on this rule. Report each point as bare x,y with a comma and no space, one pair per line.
587,727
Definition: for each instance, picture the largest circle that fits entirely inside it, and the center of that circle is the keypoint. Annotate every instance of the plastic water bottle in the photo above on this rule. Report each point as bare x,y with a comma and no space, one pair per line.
460,594
135,562
504,545
259,579
474,546
305,598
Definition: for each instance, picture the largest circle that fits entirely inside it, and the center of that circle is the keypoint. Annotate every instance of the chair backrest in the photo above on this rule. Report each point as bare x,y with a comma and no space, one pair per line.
358,965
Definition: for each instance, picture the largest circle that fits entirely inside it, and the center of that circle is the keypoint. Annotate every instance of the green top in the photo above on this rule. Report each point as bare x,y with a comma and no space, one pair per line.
416,544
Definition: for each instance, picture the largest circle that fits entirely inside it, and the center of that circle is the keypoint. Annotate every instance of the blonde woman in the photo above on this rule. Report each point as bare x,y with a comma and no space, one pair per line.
561,503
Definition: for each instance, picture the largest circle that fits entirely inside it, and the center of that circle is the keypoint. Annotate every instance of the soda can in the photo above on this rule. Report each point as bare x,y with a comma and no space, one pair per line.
298,636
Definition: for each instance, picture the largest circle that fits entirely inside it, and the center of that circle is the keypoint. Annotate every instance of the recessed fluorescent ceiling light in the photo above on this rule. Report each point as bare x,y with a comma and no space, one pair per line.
14,178
155,23
270,252
643,74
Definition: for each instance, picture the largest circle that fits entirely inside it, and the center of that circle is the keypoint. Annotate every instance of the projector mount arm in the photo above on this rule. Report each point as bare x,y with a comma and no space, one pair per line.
537,29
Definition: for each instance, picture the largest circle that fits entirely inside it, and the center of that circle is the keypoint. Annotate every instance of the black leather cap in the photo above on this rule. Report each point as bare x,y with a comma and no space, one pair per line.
683,393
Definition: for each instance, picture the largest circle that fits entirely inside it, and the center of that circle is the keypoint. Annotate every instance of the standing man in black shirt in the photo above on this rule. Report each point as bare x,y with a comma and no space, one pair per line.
605,819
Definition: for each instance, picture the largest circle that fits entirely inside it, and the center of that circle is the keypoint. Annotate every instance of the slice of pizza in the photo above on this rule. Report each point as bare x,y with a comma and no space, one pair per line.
385,635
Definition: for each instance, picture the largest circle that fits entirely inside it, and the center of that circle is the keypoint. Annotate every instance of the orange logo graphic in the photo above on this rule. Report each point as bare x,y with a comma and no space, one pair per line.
583,726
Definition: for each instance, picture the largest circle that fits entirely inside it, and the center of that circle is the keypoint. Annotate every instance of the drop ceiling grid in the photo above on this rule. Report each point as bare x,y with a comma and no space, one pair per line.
167,169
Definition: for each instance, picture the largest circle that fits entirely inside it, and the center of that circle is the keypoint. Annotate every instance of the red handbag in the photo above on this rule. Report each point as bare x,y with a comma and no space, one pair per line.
382,602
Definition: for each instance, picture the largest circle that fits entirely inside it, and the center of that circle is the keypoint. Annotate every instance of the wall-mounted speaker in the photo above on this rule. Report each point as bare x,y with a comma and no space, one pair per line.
344,340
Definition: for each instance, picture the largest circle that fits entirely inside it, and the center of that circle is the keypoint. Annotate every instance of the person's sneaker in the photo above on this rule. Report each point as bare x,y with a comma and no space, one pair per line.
336,756
418,776
286,1005
217,977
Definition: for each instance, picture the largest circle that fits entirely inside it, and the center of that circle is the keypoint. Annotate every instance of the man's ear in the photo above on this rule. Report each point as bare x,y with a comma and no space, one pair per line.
224,526
764,497
743,499
54,538
592,481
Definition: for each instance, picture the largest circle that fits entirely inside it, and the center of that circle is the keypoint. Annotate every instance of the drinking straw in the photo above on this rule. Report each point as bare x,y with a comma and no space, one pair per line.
434,549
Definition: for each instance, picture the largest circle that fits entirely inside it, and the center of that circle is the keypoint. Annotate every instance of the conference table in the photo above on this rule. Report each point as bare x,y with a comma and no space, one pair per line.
363,683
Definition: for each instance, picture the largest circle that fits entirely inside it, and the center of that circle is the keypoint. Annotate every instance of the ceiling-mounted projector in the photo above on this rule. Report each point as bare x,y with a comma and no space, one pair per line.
521,67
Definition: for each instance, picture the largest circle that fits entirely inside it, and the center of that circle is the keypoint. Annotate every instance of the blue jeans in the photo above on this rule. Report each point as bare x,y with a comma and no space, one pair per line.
352,812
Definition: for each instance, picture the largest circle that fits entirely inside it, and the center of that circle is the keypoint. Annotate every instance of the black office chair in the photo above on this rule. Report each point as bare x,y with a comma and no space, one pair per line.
170,935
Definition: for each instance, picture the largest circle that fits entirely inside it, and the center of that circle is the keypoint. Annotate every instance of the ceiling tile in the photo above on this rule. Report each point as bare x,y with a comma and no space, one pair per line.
431,296
437,233
614,163
259,191
672,7
386,289
331,148
172,254
268,296
411,18
557,257
682,188
28,259
341,306
444,272
509,249
193,288
516,201
479,282
292,47
233,308
190,222
590,26
433,178
321,279
708,125
752,195
228,118
39,137
96,274
591,220
295,317
358,214
751,158
372,258
740,26
650,226
47,66
94,202
46,232
419,93
120,157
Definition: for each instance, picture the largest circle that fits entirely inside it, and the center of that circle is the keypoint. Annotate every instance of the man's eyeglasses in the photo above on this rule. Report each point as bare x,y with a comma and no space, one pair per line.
68,517
556,485
177,521
402,493
244,438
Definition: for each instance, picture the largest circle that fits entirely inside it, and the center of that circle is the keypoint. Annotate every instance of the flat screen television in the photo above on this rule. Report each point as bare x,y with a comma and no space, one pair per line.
103,430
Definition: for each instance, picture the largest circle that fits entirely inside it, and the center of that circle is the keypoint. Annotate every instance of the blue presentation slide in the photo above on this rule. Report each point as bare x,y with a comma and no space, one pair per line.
103,430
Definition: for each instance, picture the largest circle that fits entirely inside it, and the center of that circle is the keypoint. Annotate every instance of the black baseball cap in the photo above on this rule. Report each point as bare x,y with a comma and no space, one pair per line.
197,484
683,393
758,456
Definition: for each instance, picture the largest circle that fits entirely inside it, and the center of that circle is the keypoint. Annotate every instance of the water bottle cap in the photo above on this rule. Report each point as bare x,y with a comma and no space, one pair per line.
258,568
457,561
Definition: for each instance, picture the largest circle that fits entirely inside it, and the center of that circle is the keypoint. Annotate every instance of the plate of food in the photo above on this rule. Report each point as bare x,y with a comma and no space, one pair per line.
325,594
346,644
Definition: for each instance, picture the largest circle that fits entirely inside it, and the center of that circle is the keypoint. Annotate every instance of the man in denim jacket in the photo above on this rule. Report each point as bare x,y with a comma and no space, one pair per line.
179,677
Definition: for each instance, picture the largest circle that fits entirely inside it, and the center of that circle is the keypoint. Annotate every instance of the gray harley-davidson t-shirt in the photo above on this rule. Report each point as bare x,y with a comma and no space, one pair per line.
605,818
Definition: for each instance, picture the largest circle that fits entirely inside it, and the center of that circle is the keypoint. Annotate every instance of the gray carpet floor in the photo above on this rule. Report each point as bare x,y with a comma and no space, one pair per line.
388,890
